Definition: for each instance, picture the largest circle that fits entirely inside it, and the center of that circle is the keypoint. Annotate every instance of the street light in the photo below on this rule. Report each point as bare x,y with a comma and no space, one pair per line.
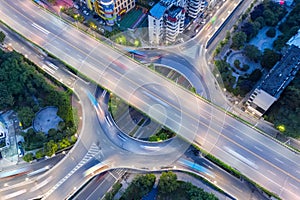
60,8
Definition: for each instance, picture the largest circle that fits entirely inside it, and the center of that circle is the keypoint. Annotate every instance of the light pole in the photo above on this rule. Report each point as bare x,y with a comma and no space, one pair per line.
60,8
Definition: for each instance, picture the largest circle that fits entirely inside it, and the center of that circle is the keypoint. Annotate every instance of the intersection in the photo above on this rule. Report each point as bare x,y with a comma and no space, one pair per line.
260,158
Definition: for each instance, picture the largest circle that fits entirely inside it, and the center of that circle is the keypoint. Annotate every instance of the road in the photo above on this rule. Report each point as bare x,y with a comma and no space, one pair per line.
261,159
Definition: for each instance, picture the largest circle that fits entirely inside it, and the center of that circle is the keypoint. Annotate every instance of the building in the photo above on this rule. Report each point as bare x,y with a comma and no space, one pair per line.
274,83
286,2
174,22
156,27
166,18
295,40
194,7
109,10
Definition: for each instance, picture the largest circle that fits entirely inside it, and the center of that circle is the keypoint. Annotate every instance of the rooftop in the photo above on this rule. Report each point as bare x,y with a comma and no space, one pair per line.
262,100
158,10
295,40
174,11
282,73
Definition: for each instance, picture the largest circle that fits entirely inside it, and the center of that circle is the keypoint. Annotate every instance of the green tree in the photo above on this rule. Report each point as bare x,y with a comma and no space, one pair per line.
50,148
2,37
64,143
26,116
269,17
269,58
238,40
167,183
28,157
52,1
237,63
255,75
271,32
39,154
252,52
140,186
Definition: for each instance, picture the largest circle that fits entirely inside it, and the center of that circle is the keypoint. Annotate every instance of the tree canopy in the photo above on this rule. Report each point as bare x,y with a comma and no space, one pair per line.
269,58
238,40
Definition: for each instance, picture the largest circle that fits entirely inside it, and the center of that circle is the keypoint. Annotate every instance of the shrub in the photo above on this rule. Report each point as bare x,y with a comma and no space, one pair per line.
271,32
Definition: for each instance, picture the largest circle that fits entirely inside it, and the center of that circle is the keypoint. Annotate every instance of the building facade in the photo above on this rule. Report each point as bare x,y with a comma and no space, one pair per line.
194,7
274,83
166,19
109,10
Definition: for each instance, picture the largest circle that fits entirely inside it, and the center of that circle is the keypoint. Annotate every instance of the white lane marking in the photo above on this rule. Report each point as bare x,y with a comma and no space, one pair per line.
259,149
42,184
294,186
271,172
278,160
113,175
12,195
239,137
48,69
40,28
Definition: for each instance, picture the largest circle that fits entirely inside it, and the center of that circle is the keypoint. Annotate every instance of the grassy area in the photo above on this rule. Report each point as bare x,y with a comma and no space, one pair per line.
117,106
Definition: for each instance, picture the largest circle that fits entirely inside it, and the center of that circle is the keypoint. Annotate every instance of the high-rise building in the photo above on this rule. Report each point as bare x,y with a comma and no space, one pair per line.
109,10
194,7
166,18
174,22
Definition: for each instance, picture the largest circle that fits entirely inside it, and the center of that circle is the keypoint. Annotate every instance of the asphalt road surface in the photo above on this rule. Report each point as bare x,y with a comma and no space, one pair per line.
260,158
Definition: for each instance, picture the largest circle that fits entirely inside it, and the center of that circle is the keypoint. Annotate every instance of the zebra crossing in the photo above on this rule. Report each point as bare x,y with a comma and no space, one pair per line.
93,151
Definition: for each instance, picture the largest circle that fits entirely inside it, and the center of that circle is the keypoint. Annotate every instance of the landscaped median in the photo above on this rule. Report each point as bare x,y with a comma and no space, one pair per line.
235,172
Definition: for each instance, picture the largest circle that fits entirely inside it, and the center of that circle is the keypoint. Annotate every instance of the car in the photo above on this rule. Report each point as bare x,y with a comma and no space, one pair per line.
76,6
86,12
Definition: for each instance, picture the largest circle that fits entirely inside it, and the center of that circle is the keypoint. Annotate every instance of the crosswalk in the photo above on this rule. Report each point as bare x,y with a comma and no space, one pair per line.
92,152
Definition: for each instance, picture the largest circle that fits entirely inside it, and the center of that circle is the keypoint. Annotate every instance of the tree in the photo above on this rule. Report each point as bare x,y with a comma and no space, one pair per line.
269,58
237,63
261,21
2,37
64,143
250,29
92,25
269,17
255,75
52,1
39,154
50,148
167,183
257,12
140,186
238,40
252,52
271,32
28,157
26,116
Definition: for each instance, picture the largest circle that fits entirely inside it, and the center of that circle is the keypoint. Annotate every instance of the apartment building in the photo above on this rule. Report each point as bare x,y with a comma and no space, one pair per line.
109,10
194,7
166,19
174,22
